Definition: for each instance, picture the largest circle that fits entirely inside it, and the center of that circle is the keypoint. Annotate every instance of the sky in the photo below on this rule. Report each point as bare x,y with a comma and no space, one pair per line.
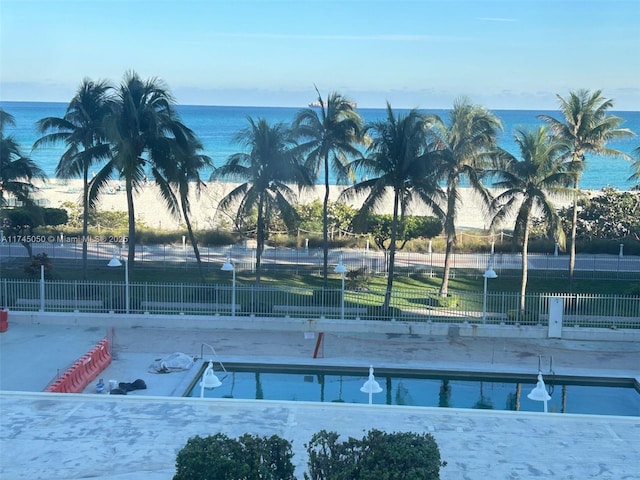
511,54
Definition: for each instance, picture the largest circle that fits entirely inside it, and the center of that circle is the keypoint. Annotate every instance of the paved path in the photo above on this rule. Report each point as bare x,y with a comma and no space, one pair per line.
46,436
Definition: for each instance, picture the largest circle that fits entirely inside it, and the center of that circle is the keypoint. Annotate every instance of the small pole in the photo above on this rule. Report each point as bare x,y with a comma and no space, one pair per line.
126,285
42,288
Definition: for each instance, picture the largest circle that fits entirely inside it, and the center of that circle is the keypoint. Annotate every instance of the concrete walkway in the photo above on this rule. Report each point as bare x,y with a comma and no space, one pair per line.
137,436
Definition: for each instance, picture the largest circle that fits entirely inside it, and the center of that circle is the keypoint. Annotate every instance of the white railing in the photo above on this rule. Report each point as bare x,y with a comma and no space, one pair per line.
419,305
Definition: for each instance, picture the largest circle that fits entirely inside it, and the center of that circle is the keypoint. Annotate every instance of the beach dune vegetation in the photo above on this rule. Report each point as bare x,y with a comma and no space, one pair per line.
379,226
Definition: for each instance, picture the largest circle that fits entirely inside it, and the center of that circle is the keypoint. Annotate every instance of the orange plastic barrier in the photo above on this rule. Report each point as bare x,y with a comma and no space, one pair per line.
4,320
84,370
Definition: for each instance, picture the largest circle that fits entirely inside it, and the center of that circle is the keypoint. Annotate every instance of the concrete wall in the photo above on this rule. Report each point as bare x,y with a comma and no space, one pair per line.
318,325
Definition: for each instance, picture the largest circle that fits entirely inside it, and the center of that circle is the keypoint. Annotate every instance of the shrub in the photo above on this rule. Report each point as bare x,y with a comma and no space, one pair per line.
633,289
358,279
219,457
377,456
159,237
217,237
436,300
40,260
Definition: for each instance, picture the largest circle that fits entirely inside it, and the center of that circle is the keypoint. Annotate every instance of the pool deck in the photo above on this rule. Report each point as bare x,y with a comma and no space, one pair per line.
137,436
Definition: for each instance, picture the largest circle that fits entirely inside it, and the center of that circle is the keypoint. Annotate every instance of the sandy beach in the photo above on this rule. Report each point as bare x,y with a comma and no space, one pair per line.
151,210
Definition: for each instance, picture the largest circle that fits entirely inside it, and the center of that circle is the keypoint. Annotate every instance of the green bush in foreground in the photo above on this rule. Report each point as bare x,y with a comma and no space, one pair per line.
377,456
219,457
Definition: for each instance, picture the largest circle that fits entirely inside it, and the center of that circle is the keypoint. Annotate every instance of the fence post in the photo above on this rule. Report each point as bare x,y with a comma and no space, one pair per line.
42,288
556,308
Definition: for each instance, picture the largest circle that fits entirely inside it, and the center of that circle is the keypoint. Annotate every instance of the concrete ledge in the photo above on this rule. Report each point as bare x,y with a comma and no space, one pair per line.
142,428
317,325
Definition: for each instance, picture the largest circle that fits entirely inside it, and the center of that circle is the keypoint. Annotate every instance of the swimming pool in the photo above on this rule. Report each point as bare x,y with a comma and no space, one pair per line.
410,387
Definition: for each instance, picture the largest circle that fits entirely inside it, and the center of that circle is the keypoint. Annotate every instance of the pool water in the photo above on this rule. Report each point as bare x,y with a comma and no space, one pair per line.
427,391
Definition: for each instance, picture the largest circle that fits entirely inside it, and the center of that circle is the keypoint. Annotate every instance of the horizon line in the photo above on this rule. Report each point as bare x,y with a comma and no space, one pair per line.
529,109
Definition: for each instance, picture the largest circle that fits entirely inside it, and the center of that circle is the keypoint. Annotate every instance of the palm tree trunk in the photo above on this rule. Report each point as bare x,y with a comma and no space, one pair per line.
85,218
392,251
574,227
132,225
325,223
525,269
259,239
444,287
192,239
450,233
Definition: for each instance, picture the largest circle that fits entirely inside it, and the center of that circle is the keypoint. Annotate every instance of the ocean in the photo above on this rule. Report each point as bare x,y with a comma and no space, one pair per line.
217,125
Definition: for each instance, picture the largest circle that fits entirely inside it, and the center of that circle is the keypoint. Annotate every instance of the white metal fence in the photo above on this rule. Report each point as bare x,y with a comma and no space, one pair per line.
419,305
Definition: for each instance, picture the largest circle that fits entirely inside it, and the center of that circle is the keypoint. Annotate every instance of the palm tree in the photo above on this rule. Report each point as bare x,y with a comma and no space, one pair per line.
463,148
586,128
528,186
178,179
81,129
144,131
17,171
329,136
396,160
267,169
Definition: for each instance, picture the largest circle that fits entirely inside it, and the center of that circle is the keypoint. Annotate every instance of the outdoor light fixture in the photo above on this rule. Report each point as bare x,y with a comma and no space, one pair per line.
341,269
209,379
114,262
539,392
489,273
229,267
371,386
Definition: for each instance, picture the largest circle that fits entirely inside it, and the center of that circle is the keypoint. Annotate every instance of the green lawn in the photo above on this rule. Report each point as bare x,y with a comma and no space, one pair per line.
150,272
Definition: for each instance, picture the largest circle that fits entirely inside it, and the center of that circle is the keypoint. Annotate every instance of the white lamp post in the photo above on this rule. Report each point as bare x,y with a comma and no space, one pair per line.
229,267
114,262
341,269
539,393
209,379
489,273
371,386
